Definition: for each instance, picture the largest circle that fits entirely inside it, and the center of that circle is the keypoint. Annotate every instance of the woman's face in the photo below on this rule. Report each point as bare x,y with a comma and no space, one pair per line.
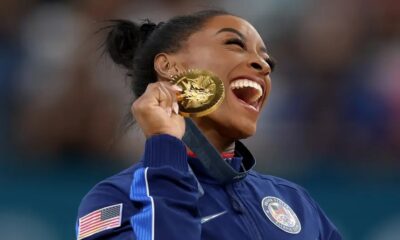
231,48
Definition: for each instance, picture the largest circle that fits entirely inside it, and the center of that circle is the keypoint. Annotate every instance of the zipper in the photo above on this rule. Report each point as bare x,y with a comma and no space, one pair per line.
239,207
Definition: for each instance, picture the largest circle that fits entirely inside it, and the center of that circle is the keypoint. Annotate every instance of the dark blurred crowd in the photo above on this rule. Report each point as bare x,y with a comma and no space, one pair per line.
338,82
332,120
335,96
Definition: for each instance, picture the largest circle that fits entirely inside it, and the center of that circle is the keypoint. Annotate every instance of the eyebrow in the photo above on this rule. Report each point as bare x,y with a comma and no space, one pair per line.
232,30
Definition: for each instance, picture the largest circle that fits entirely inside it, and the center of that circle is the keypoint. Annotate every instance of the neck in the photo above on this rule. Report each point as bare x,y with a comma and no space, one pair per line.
219,141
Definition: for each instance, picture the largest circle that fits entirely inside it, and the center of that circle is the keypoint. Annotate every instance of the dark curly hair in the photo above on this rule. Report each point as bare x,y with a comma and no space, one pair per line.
134,46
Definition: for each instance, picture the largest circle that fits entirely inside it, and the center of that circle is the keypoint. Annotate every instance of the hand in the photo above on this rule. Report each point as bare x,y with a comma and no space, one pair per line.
156,111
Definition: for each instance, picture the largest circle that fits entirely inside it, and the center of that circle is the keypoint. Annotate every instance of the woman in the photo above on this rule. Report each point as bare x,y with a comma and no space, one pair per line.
169,194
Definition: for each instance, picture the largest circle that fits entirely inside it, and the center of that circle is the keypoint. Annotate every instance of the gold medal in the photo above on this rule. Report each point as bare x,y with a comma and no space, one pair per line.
202,93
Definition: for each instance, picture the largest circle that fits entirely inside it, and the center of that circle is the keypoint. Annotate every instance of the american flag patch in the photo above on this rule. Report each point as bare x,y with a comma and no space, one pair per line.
100,220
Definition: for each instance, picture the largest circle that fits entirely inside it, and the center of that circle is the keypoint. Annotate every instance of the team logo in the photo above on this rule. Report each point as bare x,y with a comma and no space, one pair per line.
280,214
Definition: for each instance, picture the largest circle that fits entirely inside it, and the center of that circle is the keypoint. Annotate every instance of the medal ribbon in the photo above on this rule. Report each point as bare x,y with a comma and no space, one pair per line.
209,157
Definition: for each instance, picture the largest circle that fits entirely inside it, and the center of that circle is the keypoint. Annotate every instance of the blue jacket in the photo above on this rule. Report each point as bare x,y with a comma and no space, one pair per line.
164,197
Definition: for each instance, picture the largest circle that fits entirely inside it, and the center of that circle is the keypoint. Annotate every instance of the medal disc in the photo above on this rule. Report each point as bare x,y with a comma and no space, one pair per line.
202,93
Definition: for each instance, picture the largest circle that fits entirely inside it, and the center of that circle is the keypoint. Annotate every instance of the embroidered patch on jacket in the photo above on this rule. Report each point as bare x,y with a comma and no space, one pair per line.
281,214
100,220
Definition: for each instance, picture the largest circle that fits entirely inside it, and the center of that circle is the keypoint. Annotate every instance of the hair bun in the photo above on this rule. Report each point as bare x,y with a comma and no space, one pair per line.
146,29
124,38
122,41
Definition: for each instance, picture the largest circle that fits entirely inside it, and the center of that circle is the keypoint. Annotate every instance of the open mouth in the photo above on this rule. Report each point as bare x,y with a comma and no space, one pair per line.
248,91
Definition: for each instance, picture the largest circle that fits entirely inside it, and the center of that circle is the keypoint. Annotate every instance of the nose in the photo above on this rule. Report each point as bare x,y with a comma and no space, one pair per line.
260,65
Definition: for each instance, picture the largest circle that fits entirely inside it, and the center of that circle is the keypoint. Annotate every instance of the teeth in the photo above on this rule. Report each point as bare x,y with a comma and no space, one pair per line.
241,83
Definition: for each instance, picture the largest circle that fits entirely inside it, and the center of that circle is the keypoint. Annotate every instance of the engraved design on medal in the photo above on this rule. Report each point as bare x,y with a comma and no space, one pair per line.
197,91
202,92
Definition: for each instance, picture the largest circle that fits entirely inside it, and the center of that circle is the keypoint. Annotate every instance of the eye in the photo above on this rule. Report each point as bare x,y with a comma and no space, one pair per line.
236,41
271,62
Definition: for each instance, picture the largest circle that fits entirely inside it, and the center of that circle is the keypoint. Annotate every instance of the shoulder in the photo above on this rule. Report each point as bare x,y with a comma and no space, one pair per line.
277,182
285,188
112,190
290,192
110,193
296,197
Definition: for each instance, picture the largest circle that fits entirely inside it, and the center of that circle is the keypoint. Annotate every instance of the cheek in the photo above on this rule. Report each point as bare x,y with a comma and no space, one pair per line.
198,58
232,124
212,59
268,86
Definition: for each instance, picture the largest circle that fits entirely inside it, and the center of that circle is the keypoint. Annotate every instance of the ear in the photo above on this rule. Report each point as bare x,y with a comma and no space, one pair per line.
167,65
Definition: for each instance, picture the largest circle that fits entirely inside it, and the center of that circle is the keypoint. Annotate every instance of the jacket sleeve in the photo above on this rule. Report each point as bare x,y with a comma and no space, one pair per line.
167,193
104,213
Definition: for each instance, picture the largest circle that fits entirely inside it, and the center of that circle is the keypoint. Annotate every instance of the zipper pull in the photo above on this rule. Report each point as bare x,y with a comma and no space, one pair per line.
236,205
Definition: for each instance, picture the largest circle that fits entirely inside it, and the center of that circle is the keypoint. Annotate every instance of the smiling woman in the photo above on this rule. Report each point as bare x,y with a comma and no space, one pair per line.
170,193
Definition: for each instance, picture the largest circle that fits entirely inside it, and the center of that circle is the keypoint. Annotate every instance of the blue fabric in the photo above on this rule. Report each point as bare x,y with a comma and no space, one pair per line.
179,206
142,222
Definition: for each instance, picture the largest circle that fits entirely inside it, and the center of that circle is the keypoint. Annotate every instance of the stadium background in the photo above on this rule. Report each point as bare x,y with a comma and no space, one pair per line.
331,125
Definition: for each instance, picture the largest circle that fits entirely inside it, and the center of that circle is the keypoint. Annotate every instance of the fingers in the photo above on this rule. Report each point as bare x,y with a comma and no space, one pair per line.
175,92
165,99
172,91
175,105
162,94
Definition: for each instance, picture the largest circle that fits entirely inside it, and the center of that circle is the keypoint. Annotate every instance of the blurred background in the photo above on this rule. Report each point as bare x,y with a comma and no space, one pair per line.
332,123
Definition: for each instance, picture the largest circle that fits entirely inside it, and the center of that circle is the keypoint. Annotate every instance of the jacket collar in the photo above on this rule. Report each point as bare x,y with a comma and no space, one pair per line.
243,161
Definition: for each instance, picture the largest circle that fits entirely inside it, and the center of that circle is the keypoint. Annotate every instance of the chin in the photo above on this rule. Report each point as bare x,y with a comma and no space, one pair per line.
248,131
241,131
232,128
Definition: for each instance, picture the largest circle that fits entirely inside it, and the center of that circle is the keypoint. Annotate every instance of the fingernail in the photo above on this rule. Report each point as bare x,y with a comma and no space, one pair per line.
175,107
177,88
169,111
